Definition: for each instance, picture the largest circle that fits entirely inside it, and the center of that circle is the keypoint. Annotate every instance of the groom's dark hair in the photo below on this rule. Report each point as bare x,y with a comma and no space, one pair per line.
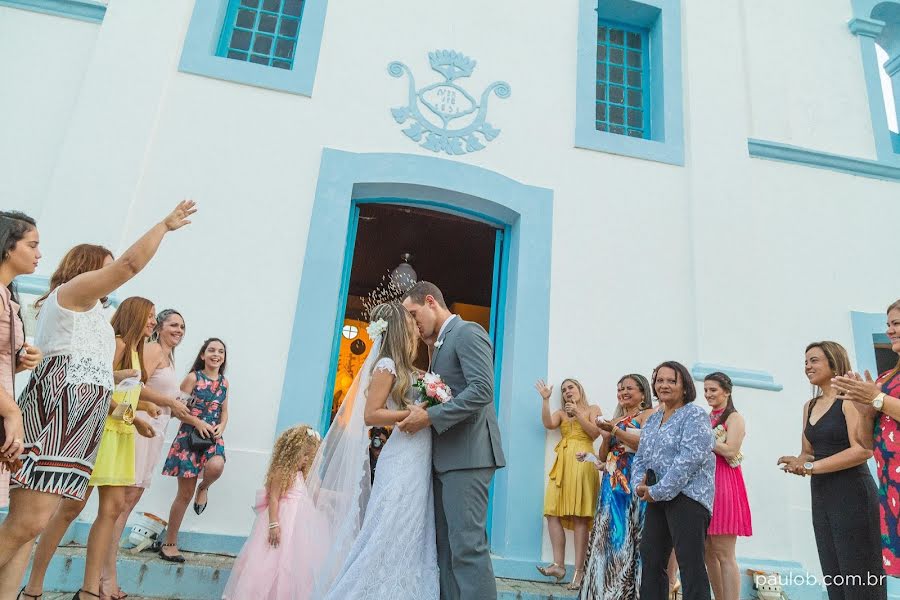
418,292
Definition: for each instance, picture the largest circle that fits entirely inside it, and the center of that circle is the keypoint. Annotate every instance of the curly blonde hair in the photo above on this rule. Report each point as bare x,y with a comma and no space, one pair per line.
293,452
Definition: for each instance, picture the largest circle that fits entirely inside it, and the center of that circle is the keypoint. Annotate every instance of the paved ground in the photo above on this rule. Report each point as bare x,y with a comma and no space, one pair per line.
507,588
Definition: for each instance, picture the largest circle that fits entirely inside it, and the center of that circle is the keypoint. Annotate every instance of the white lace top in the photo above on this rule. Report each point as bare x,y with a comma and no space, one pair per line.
87,337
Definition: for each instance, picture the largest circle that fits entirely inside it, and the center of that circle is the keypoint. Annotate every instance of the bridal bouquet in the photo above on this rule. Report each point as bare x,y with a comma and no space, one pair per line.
721,437
432,390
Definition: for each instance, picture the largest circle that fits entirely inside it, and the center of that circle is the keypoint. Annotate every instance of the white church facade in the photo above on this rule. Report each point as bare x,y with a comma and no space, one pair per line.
603,185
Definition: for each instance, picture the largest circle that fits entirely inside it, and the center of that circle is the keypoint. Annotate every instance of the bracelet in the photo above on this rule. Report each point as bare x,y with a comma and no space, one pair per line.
274,525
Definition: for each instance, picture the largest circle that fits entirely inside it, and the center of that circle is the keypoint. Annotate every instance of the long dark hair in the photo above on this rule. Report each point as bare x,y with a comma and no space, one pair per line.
13,227
681,372
725,381
200,364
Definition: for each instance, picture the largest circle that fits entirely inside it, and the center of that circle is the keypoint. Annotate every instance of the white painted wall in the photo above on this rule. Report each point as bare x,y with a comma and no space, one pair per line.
728,259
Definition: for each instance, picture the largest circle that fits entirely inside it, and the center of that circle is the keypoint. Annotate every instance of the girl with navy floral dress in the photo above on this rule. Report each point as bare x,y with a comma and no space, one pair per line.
208,388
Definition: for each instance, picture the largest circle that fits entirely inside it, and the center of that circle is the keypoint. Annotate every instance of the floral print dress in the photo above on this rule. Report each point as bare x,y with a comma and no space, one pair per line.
887,460
208,397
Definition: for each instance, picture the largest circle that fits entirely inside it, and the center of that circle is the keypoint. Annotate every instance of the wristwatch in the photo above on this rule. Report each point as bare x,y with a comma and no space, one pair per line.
809,467
878,402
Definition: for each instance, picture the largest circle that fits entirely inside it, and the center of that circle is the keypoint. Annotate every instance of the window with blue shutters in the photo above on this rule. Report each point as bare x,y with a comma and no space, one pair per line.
623,80
265,43
264,32
629,84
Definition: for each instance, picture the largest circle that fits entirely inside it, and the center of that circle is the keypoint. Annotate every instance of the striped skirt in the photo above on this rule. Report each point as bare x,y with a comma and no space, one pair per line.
63,427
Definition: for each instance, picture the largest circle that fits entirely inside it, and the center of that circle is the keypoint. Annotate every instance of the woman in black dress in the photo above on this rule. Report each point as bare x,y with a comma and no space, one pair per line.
844,496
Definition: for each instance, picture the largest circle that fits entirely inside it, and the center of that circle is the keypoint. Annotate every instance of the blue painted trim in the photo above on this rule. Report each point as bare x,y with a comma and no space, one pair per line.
82,10
663,20
760,380
895,141
869,29
866,328
437,183
38,285
822,160
202,40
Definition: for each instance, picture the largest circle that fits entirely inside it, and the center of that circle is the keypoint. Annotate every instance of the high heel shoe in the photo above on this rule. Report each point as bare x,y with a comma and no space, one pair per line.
78,594
576,580
553,570
675,593
22,593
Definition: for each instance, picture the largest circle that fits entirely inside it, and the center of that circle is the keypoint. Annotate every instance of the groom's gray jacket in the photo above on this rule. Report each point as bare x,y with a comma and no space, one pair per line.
466,434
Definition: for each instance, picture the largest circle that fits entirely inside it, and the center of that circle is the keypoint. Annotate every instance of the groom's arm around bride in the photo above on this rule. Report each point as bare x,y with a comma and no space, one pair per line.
466,446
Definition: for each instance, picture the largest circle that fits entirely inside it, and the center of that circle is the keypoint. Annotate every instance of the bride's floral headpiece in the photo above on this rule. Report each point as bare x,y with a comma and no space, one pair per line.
313,433
376,328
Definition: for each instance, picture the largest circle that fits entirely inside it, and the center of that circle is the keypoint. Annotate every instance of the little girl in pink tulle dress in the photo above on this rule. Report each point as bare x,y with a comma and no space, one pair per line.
267,567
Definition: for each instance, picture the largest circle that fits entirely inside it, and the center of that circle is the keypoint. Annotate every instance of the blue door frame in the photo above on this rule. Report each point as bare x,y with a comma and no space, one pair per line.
498,293
525,213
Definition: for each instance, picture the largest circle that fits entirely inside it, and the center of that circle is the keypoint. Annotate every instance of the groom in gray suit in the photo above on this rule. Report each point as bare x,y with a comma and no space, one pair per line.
466,443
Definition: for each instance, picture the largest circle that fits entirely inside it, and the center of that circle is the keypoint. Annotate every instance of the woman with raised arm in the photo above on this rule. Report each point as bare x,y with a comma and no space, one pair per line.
65,403
571,496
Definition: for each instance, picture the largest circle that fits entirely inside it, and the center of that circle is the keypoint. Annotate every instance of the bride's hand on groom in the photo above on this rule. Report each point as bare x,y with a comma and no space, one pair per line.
417,420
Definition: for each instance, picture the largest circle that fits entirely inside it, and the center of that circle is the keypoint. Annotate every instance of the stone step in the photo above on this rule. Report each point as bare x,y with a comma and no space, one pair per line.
203,577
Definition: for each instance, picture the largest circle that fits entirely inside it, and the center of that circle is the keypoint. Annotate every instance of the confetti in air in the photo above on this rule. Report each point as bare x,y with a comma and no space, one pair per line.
390,289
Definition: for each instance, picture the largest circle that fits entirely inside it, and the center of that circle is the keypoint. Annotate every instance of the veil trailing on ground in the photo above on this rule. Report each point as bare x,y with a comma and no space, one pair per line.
339,484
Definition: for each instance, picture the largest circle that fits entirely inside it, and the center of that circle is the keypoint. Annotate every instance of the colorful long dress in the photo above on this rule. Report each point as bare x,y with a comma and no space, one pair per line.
613,565
887,460
572,488
208,397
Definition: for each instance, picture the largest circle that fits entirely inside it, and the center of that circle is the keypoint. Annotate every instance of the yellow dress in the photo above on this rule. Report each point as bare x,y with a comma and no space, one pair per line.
115,455
573,486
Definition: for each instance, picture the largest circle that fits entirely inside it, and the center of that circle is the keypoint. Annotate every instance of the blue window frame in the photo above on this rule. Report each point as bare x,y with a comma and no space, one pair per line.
876,23
264,32
265,43
629,85
623,79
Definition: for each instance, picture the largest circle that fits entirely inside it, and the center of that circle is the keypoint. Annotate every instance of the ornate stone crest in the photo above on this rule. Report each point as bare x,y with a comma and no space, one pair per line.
444,117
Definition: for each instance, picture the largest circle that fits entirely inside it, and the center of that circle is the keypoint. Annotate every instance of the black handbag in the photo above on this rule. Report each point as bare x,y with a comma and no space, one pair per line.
198,443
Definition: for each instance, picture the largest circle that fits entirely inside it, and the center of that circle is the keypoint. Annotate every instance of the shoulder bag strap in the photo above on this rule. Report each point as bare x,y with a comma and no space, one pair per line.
12,345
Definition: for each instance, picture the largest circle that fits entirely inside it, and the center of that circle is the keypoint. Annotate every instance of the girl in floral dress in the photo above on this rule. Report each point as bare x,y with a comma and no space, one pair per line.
209,414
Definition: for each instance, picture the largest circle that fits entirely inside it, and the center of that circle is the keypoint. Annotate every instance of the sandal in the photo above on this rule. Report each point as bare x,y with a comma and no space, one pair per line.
178,558
576,580
553,570
22,593
78,594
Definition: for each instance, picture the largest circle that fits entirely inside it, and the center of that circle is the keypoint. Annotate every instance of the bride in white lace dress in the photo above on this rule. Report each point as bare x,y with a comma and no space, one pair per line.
381,543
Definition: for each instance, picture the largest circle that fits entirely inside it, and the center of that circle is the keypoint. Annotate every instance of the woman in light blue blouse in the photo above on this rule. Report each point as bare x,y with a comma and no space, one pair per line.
674,471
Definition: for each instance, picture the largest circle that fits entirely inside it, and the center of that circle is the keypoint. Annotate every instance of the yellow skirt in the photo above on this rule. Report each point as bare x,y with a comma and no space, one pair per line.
573,486
115,455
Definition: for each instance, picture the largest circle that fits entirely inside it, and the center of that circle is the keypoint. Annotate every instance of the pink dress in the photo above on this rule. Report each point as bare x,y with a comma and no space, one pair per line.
262,572
6,371
731,511
148,452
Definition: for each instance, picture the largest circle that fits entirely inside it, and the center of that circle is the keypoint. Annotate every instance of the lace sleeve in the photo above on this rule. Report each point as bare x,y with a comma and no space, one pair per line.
386,364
